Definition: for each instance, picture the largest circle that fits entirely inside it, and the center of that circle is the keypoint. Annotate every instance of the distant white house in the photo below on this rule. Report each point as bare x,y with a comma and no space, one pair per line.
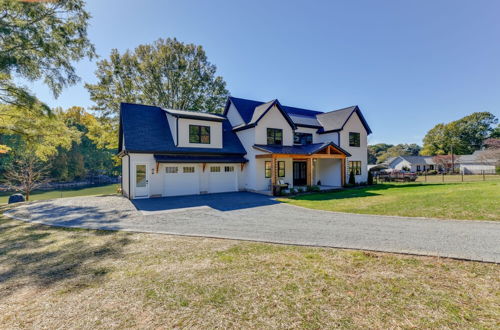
413,163
480,161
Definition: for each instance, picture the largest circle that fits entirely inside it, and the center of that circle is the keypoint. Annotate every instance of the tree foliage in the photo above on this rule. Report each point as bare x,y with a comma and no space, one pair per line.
39,41
461,137
381,152
167,73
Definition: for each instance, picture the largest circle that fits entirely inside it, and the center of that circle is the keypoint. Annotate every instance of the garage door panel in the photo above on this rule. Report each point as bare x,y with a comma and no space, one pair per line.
222,178
181,179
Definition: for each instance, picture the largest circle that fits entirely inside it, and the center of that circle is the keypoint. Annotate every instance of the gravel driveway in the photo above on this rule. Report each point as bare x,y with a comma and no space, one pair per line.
255,217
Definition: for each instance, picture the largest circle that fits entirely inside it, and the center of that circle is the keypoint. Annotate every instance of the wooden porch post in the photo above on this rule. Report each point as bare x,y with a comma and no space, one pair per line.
309,171
273,171
343,172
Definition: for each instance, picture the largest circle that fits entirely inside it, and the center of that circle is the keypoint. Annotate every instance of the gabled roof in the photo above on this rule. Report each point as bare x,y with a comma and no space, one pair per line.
427,160
306,149
257,113
335,120
145,129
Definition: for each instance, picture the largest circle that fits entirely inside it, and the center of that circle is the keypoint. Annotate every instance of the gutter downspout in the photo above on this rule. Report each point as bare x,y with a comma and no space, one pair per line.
129,186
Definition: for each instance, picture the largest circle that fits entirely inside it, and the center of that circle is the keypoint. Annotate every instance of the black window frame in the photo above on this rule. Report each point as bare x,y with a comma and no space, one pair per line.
281,167
354,139
267,170
355,166
271,136
301,136
197,137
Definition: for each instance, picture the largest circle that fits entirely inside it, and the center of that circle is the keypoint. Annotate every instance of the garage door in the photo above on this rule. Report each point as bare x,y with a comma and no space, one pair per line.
222,178
181,179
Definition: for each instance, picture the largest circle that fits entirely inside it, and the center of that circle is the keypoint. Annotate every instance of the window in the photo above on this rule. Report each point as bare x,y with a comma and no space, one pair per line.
431,167
354,139
355,167
418,168
302,138
281,169
274,136
268,169
171,169
189,169
199,134
228,168
214,168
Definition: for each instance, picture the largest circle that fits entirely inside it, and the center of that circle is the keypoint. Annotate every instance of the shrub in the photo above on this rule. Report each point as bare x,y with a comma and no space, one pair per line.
352,180
315,188
432,172
292,191
309,188
370,178
300,190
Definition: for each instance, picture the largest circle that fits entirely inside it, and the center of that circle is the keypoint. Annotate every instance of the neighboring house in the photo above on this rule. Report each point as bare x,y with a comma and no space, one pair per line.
413,163
251,147
481,161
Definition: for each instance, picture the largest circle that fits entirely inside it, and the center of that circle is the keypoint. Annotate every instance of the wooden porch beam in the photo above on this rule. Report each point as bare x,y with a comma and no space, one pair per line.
242,166
273,172
331,156
157,167
309,171
203,166
342,177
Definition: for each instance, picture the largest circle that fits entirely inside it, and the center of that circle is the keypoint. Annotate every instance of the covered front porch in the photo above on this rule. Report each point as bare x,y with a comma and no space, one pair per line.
322,165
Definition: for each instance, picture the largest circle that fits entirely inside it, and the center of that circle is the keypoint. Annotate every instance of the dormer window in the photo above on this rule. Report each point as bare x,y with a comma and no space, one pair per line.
302,138
199,134
274,136
354,139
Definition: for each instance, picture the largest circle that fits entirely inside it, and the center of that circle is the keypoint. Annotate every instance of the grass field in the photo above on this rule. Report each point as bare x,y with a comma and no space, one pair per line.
68,278
39,195
468,200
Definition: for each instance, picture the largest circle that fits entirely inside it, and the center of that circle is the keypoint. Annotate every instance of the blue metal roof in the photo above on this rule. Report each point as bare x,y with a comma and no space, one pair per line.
305,149
145,129
199,159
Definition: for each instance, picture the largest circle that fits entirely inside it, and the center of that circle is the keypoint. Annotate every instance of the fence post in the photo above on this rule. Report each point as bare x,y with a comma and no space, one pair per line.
462,176
483,175
442,177
425,176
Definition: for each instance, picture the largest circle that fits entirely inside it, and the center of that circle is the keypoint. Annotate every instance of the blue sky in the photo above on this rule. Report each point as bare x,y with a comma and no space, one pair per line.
408,64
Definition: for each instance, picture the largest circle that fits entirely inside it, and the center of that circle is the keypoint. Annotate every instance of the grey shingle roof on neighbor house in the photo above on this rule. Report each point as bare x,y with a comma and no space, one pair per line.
250,111
306,149
427,160
145,129
478,157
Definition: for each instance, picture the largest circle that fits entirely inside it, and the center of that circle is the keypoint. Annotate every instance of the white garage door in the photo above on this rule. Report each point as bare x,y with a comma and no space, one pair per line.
222,178
182,179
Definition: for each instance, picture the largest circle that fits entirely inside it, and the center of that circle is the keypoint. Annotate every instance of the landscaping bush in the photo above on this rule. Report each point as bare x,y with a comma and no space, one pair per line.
292,191
370,178
300,190
432,172
352,180
315,189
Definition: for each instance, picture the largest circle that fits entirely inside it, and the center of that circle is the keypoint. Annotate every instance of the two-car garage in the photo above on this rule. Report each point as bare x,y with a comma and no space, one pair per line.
196,178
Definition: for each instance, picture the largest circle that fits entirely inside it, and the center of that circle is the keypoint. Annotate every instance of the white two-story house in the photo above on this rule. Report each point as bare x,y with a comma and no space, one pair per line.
251,147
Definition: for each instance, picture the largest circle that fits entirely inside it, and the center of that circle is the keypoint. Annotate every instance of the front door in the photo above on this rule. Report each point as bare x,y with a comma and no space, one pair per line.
299,173
141,181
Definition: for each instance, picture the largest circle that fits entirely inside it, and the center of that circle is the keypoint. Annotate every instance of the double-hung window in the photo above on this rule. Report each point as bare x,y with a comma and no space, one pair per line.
302,138
199,134
281,169
355,166
267,169
274,136
354,139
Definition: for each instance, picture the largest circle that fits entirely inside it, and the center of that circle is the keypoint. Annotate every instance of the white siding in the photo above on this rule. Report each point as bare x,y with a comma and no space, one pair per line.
273,119
125,170
357,153
172,122
215,133
329,172
329,137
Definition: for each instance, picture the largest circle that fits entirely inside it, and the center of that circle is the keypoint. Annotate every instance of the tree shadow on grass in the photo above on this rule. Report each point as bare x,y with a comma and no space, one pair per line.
39,256
357,192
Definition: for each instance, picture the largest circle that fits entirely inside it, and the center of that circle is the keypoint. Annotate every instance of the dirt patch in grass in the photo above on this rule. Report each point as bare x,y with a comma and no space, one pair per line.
52,277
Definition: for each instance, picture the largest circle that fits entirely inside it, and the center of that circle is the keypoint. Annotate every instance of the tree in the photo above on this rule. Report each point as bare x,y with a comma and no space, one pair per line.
496,132
25,173
398,150
38,41
461,136
375,150
444,161
167,73
352,180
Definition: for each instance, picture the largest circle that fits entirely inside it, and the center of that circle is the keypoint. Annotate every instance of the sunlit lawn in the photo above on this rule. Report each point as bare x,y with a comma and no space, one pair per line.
468,200
53,278
39,195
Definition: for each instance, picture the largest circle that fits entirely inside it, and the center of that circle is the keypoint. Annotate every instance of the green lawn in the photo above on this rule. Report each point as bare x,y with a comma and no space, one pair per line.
468,200
39,195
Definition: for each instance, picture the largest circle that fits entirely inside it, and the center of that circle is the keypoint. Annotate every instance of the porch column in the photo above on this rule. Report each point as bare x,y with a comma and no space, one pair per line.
273,171
309,171
342,177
